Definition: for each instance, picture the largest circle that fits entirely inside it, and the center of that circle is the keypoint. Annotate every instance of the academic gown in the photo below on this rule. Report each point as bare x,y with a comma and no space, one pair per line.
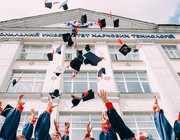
108,135
28,131
165,130
10,125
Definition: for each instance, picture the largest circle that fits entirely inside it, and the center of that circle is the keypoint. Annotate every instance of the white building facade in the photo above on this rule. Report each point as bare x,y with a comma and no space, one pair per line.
131,81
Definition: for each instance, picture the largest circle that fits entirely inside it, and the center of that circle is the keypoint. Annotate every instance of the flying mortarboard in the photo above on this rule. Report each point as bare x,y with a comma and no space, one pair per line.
66,37
58,49
6,110
88,47
75,100
59,70
54,94
15,81
83,19
135,50
74,32
92,59
124,49
116,23
88,95
64,5
102,23
48,5
76,63
79,53
70,42
101,71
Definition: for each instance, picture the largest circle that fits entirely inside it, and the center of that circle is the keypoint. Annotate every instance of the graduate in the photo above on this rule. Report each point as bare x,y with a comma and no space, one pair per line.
11,123
28,128
118,124
43,125
88,134
165,130
107,132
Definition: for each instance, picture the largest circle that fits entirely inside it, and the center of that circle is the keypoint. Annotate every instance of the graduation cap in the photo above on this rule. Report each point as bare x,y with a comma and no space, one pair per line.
101,71
102,23
88,95
88,47
50,56
64,5
92,59
48,5
15,81
77,62
75,100
58,49
116,23
135,50
125,49
74,32
6,110
83,19
70,42
54,94
66,37
59,70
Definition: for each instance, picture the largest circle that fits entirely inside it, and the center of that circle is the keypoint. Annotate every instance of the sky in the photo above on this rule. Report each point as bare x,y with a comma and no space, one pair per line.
153,11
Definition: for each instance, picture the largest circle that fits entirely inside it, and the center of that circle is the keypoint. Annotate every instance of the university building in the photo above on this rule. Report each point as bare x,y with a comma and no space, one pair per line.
130,81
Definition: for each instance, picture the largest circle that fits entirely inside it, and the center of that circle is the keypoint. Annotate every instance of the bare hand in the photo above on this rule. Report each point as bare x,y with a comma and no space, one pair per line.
156,100
50,104
67,125
88,128
104,118
56,124
103,96
20,99
33,115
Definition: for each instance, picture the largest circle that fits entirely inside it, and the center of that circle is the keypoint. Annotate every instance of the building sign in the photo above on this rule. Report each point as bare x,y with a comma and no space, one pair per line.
93,35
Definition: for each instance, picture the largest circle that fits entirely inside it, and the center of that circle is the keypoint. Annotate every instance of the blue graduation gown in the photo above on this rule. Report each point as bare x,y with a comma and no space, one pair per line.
28,131
42,127
119,126
110,135
10,125
65,137
164,128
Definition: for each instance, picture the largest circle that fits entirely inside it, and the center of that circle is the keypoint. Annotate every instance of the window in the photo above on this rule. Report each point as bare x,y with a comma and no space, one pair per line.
30,82
116,55
71,51
171,51
78,123
81,83
138,122
132,82
25,117
38,52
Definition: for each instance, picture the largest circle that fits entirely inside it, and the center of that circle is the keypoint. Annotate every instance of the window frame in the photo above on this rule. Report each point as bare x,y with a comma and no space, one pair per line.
171,48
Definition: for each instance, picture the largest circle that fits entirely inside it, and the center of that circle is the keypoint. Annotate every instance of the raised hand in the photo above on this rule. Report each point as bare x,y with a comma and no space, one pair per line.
33,115
103,96
156,100
67,125
56,124
88,128
50,104
104,118
19,101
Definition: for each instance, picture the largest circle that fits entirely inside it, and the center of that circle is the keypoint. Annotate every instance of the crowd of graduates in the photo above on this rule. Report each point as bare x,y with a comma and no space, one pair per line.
112,124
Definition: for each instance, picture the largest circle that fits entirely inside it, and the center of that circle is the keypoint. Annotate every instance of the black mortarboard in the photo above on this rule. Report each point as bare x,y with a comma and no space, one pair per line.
14,82
50,56
87,48
58,50
83,19
79,53
75,100
59,70
48,5
64,5
101,71
76,63
6,110
102,23
70,42
125,49
74,32
135,50
54,94
88,95
92,59
66,37
116,23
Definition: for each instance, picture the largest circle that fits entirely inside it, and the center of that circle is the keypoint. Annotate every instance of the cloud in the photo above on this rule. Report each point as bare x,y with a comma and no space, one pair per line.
175,19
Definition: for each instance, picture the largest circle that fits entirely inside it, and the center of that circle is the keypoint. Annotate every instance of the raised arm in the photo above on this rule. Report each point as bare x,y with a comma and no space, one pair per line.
11,123
115,120
89,129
